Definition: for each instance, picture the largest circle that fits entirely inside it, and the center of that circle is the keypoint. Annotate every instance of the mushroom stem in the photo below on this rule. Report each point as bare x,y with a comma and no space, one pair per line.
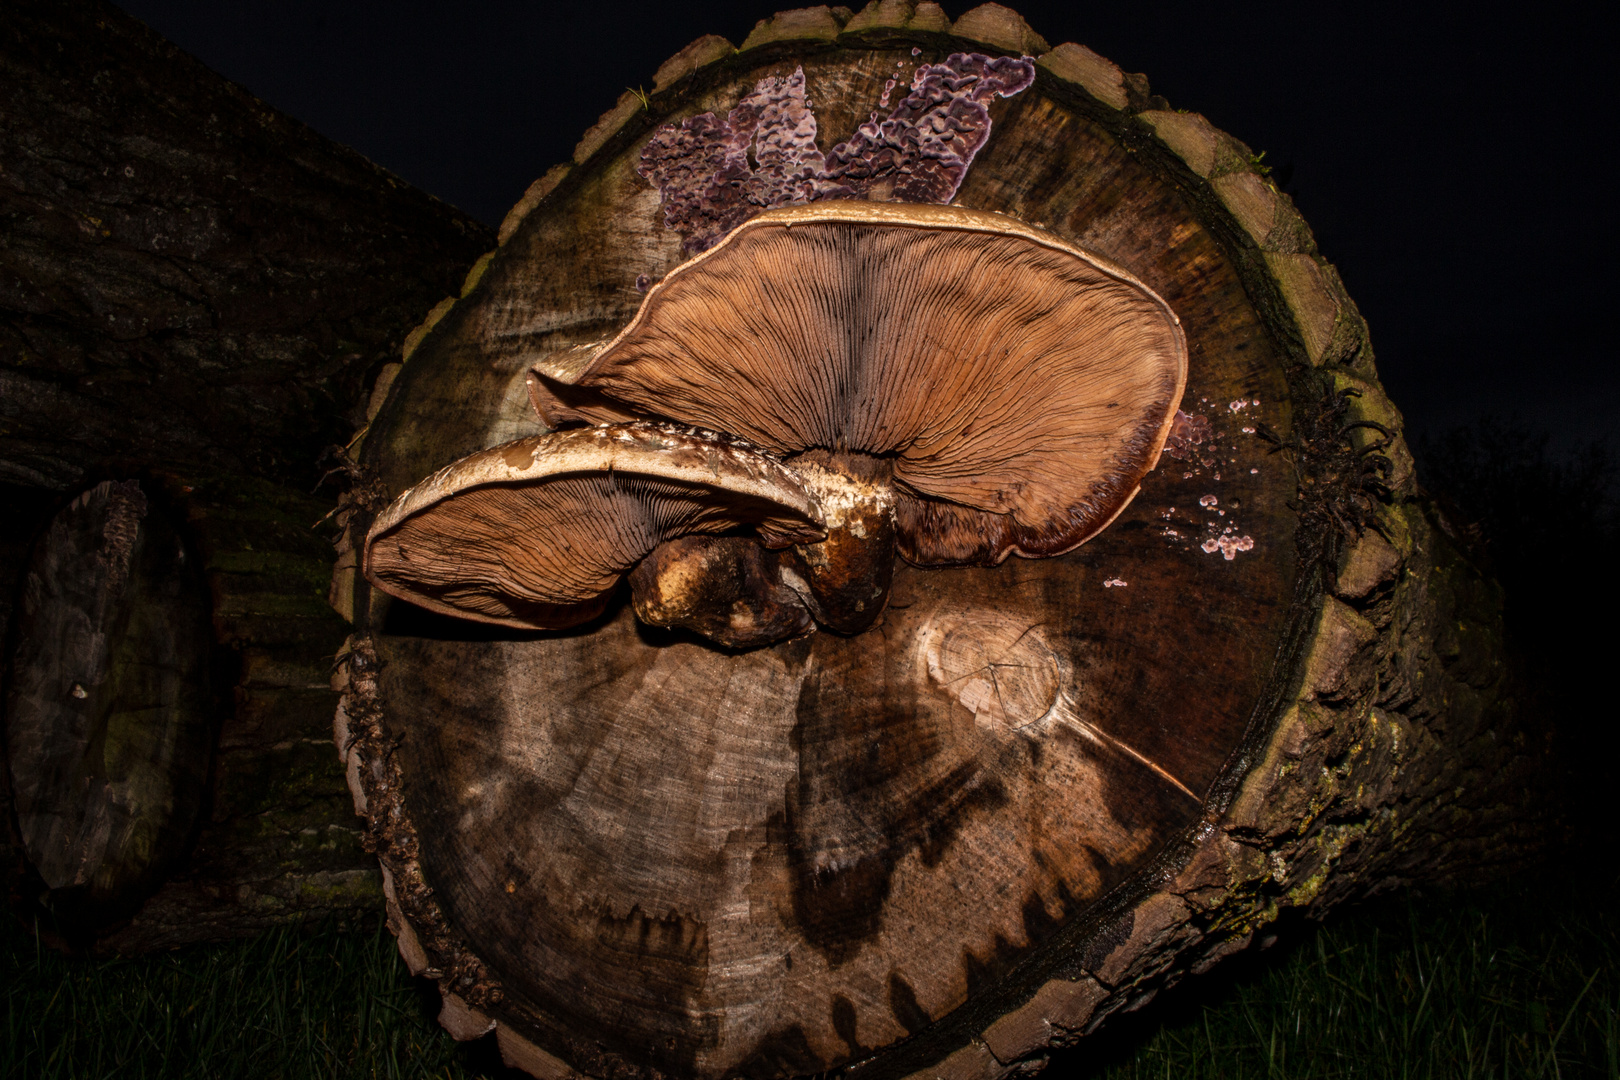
727,588
845,578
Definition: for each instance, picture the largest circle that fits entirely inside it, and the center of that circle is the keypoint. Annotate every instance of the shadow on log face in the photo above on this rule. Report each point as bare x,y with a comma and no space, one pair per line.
1029,795
889,821
109,715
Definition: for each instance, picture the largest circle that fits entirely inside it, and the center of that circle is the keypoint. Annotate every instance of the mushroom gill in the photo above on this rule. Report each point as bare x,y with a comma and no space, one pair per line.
1014,389
536,533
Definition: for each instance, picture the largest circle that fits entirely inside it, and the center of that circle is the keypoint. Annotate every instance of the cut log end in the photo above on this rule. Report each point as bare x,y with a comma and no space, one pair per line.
109,714
1022,797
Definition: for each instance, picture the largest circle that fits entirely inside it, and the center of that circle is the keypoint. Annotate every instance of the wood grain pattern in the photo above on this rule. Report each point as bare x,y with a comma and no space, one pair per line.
644,855
805,853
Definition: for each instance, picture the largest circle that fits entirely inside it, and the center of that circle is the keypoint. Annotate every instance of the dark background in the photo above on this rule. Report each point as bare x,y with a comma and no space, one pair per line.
1453,162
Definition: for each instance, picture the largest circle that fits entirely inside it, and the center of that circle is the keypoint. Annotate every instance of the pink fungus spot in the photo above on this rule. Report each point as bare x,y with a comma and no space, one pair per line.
1248,431
1239,405
916,51
1228,546
1254,472
1114,582
1186,431
1207,501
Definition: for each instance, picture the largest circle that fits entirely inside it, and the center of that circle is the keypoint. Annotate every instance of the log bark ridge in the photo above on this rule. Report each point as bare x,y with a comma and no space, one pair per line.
199,294
1032,795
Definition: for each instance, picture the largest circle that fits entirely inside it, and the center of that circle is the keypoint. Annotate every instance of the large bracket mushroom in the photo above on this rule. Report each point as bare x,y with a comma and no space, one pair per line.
952,384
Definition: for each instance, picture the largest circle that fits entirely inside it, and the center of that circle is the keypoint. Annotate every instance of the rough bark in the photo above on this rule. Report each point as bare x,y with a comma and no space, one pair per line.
188,274
1032,795
198,295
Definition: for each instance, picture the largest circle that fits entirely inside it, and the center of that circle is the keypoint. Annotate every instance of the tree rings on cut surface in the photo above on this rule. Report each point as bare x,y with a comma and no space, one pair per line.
108,723
649,856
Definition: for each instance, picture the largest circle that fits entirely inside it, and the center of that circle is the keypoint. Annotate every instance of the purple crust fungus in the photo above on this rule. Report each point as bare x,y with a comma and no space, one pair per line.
919,153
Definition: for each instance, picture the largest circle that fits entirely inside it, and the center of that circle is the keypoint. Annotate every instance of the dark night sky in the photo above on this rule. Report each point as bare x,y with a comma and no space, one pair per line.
1454,163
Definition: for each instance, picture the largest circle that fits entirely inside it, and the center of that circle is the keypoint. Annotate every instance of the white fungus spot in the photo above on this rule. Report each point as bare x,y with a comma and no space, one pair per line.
1112,582
1207,501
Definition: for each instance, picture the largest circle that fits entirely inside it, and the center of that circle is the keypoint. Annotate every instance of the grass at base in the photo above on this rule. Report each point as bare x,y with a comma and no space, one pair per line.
1518,980
289,1004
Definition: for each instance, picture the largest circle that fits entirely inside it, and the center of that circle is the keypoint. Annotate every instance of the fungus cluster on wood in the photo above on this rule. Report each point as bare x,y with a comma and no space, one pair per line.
713,173
946,384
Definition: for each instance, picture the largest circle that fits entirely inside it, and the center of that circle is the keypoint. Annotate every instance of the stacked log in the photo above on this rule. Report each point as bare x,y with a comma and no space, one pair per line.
200,293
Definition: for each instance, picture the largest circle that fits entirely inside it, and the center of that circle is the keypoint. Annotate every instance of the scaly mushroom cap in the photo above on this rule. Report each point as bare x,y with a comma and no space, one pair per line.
536,533
1021,386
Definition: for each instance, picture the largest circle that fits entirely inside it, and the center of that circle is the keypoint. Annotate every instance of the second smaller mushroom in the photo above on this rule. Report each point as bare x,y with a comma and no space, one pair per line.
536,534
